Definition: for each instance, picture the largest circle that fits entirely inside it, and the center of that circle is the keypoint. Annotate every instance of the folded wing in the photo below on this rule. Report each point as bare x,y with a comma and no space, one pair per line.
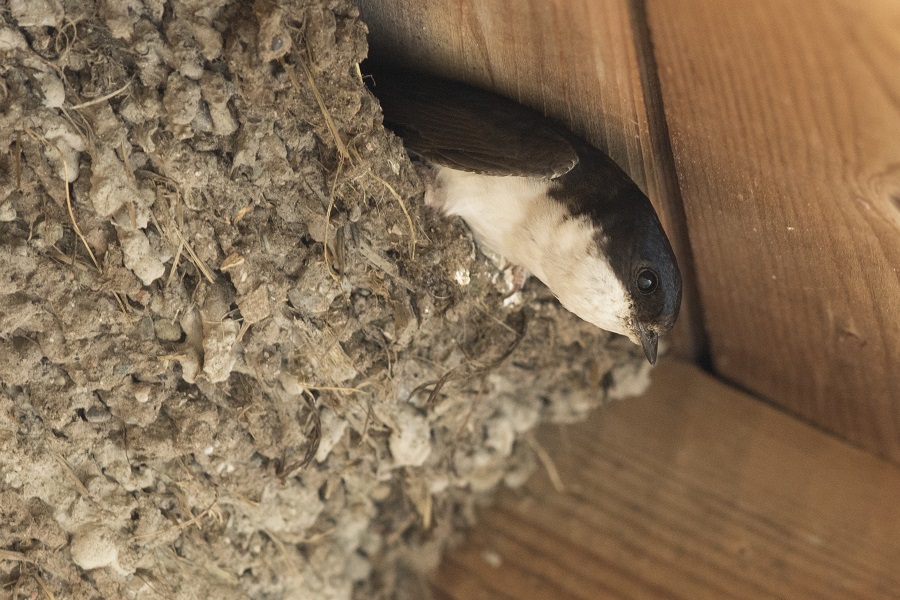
464,128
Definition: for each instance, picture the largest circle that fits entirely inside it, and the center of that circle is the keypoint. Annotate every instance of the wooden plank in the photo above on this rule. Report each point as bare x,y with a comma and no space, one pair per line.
576,61
785,124
692,491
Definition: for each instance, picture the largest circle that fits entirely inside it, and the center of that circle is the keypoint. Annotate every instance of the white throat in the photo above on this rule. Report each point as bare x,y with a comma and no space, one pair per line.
515,217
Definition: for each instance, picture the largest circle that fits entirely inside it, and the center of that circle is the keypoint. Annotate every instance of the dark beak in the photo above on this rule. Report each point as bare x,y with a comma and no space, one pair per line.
649,342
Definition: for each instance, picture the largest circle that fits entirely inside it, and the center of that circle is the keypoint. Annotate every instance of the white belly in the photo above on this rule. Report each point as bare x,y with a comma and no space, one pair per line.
500,210
514,217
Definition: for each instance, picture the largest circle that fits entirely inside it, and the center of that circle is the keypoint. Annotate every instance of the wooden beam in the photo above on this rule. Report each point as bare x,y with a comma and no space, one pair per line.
785,124
693,491
577,61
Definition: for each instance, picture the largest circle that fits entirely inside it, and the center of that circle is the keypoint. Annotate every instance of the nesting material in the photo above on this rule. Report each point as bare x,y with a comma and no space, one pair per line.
240,358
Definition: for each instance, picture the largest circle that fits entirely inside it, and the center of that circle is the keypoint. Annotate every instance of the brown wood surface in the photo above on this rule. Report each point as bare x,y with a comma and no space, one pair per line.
577,61
785,123
693,491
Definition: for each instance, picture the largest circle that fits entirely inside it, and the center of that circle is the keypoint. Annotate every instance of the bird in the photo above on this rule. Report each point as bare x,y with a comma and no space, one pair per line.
541,197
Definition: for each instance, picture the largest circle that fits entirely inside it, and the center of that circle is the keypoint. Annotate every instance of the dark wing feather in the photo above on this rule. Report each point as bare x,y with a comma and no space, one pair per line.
457,126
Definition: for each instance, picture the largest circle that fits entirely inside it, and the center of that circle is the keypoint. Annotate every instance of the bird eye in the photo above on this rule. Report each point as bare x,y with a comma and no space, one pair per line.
647,281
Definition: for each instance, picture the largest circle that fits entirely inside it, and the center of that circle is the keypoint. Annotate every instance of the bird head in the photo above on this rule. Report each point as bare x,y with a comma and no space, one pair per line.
636,249
655,292
621,275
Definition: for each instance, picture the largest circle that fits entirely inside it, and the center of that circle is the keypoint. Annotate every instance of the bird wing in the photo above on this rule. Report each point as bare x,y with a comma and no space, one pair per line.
464,128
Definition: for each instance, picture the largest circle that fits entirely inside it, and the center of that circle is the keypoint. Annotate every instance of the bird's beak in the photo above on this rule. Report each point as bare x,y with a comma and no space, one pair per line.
649,342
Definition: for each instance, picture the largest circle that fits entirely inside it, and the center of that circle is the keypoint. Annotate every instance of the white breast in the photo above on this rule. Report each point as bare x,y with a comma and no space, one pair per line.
515,217
496,208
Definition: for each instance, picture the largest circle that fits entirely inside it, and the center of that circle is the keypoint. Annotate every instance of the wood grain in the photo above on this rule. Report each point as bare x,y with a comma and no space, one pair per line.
693,491
785,124
576,61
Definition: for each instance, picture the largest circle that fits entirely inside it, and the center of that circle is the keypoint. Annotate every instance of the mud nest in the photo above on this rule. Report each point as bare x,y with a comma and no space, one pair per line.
239,358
